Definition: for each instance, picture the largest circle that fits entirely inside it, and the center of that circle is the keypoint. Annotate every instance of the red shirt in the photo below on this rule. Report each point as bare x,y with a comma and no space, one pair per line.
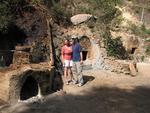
66,52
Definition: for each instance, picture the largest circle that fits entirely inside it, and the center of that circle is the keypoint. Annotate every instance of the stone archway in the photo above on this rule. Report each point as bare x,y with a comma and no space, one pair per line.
28,83
29,88
86,47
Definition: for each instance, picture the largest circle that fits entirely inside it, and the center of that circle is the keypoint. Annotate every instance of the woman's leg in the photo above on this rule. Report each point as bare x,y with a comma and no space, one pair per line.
66,75
69,74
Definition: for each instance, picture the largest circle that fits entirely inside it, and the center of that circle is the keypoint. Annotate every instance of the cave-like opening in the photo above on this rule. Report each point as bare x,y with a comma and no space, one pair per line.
133,50
14,36
86,47
29,88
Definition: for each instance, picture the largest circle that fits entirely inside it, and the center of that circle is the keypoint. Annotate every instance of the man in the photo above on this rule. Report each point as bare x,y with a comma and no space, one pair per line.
77,63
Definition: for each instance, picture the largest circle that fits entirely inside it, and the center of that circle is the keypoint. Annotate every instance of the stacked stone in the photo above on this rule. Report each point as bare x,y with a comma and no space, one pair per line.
21,57
4,86
117,67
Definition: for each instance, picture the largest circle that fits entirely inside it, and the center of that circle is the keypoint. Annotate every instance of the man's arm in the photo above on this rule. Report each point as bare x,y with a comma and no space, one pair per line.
81,55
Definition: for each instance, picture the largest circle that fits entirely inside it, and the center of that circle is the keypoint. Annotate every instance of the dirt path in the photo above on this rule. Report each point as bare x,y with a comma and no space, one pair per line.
103,92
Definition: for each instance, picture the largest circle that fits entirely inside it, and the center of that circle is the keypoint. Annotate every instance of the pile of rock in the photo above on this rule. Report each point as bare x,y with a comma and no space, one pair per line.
21,56
116,66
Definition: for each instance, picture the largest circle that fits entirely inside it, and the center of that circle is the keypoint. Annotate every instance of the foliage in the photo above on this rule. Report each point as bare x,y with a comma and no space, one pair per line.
105,5
6,16
114,47
145,30
8,11
60,14
139,30
148,50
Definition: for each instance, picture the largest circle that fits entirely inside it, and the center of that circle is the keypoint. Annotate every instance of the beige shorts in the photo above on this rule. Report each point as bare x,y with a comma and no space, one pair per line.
68,63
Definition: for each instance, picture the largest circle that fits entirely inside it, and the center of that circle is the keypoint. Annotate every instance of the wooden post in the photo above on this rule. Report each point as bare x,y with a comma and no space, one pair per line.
49,32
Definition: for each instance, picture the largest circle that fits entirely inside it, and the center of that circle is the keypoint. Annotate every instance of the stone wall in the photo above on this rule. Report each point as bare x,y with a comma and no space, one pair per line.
117,66
11,81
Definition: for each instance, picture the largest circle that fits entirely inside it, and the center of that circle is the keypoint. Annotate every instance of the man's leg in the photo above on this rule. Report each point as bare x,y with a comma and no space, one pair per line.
79,72
74,72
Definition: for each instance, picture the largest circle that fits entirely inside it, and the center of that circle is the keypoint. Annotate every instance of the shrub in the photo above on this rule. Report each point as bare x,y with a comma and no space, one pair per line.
145,30
114,47
139,30
6,16
60,15
8,11
148,50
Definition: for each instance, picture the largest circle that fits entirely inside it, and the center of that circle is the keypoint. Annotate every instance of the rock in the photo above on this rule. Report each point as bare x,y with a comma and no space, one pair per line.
77,19
132,68
20,58
98,63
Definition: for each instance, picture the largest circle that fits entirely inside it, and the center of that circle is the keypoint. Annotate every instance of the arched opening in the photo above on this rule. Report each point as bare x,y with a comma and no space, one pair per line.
133,50
29,88
84,55
86,47
14,36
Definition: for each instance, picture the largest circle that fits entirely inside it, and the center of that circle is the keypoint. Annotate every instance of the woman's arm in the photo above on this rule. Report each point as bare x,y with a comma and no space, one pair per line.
62,54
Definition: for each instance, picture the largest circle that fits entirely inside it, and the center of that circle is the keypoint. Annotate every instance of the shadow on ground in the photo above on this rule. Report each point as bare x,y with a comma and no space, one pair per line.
88,78
2,102
98,100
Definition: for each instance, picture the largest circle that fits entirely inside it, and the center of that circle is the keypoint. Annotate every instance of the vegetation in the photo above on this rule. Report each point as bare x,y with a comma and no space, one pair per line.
9,9
141,31
61,10
148,50
114,47
60,15
6,16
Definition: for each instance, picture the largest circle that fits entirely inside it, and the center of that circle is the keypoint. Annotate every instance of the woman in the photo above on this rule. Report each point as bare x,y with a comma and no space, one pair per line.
66,55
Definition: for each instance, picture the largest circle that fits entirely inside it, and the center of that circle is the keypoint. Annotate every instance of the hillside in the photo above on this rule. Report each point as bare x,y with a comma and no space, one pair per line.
115,40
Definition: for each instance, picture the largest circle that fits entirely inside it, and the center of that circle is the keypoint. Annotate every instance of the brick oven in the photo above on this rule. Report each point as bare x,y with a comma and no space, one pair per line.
23,80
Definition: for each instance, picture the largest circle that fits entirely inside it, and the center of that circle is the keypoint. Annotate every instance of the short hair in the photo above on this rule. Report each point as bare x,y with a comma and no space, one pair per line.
66,39
76,40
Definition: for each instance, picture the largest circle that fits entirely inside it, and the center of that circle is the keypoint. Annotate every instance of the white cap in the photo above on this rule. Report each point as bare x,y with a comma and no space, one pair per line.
74,36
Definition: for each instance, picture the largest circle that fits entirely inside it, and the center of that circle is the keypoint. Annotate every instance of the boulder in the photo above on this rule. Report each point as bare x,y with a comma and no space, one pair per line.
133,70
77,19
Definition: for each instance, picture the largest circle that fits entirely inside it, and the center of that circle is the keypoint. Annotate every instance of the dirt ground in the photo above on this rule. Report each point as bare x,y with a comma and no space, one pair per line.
103,92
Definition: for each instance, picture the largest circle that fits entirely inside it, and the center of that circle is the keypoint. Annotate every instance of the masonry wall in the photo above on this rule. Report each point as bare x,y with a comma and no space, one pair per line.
12,82
4,87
